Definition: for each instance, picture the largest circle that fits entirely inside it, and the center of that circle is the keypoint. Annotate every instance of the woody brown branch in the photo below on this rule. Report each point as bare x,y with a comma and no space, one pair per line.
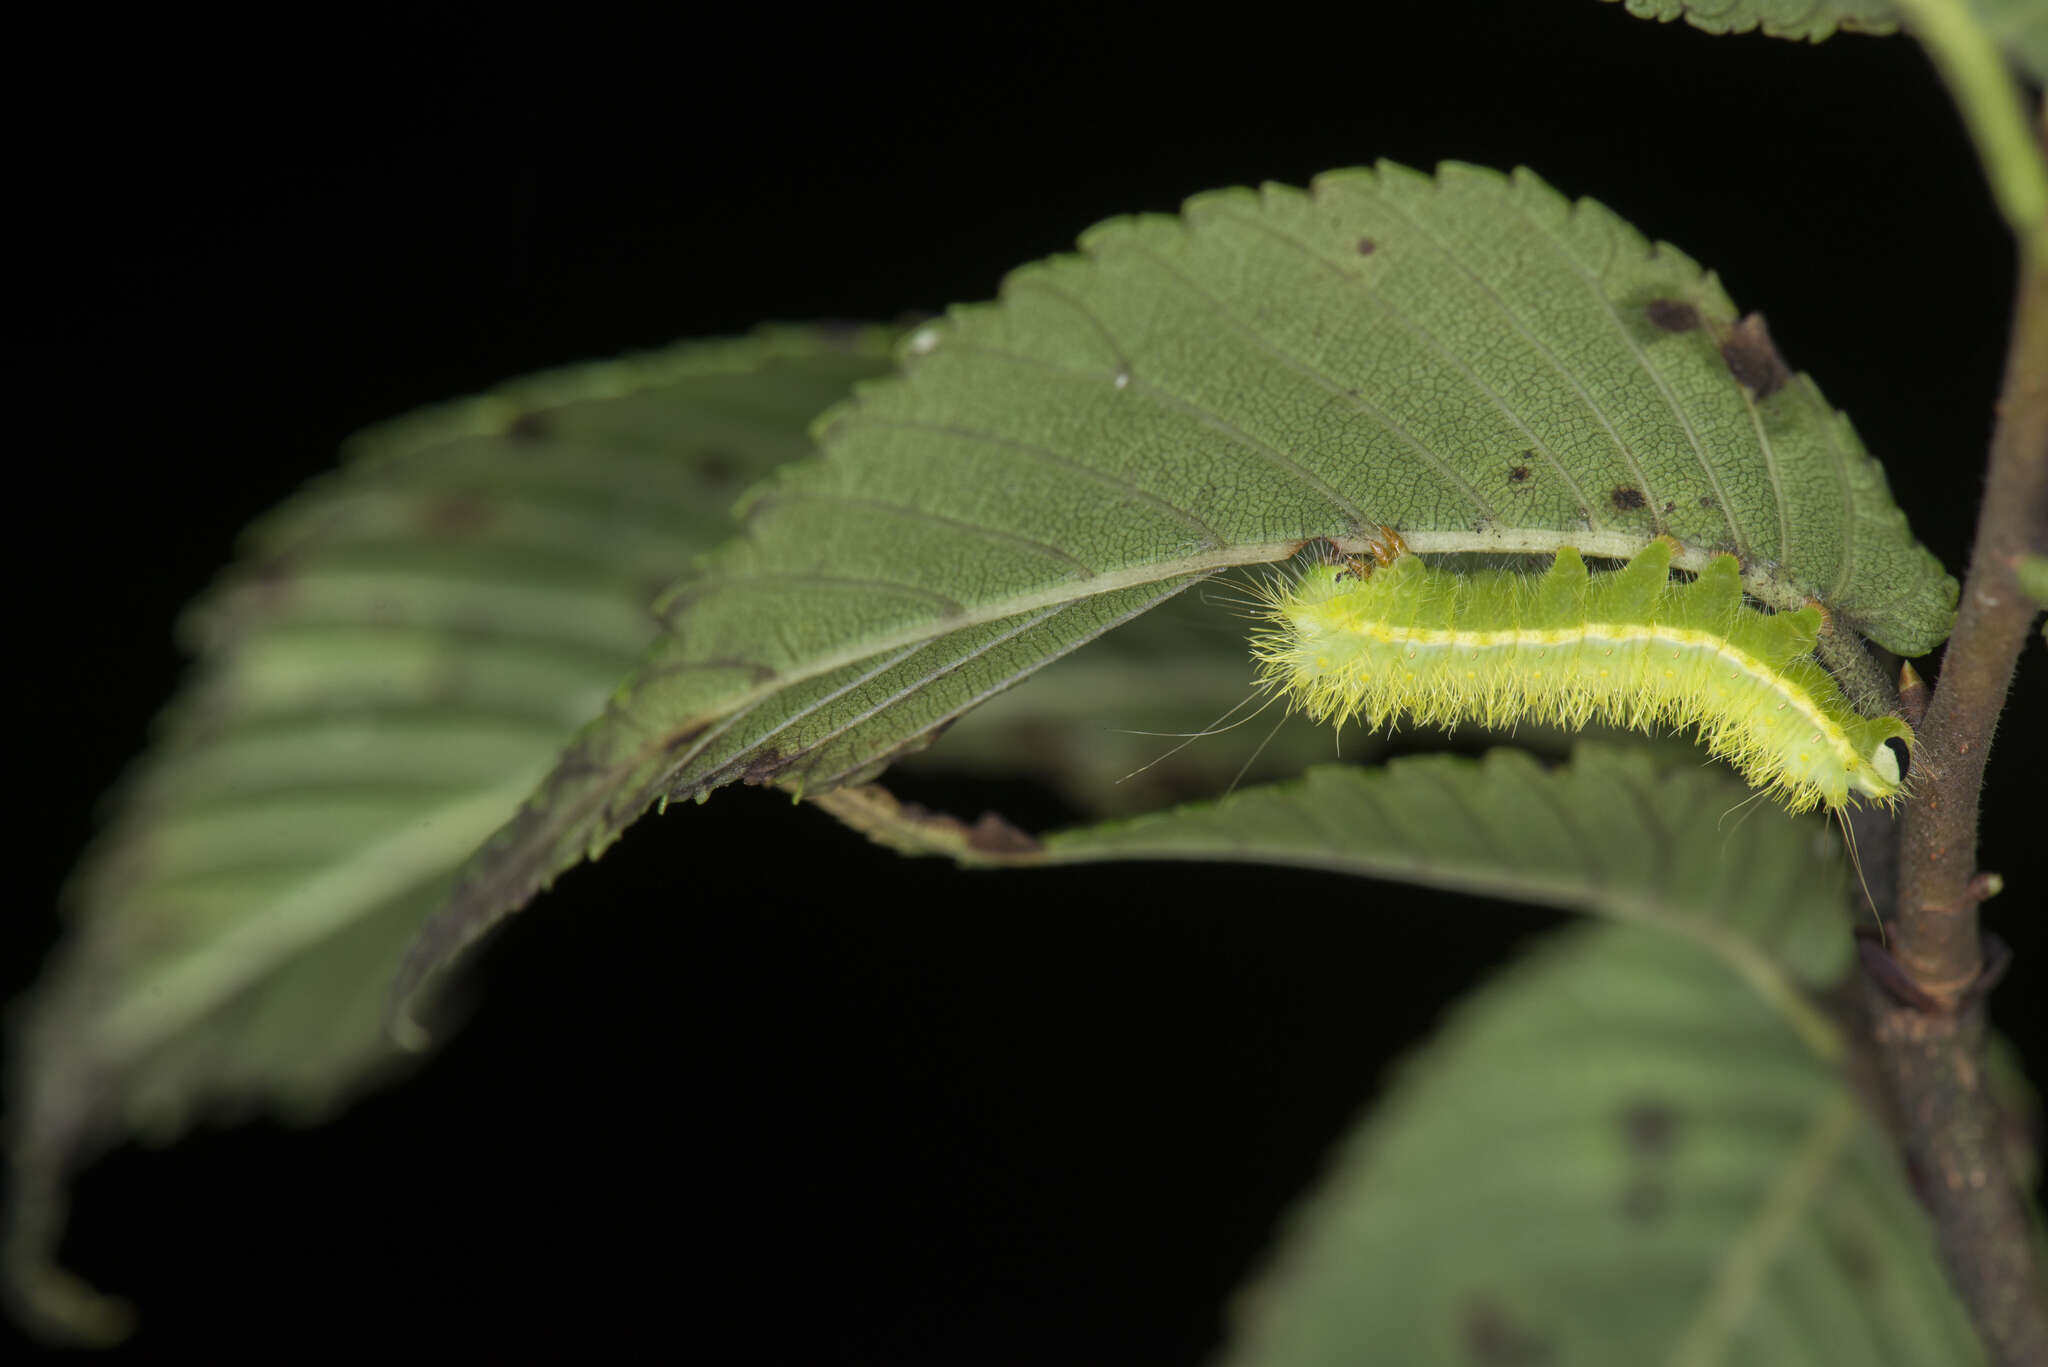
1929,1041
1937,920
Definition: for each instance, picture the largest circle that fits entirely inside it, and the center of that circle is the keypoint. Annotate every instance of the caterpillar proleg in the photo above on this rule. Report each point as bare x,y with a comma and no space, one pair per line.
1631,647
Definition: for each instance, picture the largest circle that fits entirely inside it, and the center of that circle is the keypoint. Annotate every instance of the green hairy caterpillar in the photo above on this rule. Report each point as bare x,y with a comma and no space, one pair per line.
1393,636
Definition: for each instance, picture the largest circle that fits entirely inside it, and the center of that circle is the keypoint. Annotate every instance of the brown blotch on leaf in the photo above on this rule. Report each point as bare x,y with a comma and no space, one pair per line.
456,515
1707,502
578,763
1753,359
1855,1257
528,427
1366,246
766,767
1650,1127
1492,1338
1673,315
1646,1202
993,835
1518,474
1629,500
840,333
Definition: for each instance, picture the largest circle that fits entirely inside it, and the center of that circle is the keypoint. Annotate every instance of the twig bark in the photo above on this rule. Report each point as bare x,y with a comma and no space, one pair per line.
1927,1021
1936,919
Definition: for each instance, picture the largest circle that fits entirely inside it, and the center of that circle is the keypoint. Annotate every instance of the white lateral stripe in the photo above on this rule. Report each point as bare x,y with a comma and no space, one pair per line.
1687,639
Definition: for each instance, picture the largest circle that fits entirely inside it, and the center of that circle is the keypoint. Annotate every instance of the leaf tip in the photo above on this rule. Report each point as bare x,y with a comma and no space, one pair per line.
48,1302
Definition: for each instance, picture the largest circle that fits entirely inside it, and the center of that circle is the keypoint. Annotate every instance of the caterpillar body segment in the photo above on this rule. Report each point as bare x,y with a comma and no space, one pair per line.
1629,647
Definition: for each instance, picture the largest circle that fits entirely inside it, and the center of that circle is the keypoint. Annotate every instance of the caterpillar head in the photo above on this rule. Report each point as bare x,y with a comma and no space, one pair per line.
1887,750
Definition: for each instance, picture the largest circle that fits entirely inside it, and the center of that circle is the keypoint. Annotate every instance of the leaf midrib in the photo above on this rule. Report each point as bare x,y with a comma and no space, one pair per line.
1704,1340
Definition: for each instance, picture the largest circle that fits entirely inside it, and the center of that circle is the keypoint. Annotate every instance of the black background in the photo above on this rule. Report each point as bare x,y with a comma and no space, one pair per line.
708,1096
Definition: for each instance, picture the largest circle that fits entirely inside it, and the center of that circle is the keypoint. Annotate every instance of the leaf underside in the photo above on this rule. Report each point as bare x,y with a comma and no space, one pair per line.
1470,358
2019,28
1631,831
1614,1153
401,652
1638,1145
1808,20
396,660
1619,831
1158,711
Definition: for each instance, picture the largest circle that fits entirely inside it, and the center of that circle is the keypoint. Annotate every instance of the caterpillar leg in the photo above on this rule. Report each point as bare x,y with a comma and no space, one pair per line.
1380,552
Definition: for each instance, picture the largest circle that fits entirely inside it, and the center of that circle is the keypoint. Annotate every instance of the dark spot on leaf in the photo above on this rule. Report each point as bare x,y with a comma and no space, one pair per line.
993,835
456,515
1753,359
989,835
1629,500
1366,246
1707,502
1646,1201
1670,508
766,767
1673,315
576,763
839,332
1518,474
716,467
682,737
1650,1127
1492,1338
528,427
1859,1264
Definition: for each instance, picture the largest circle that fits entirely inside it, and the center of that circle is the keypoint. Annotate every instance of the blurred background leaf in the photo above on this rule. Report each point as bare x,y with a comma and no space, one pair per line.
1640,1144
1614,1153
388,669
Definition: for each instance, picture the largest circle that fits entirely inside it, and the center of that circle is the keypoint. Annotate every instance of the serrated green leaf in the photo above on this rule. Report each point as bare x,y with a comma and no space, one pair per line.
1628,831
2019,28
1808,20
1620,831
1615,1153
1636,1147
1471,359
395,662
